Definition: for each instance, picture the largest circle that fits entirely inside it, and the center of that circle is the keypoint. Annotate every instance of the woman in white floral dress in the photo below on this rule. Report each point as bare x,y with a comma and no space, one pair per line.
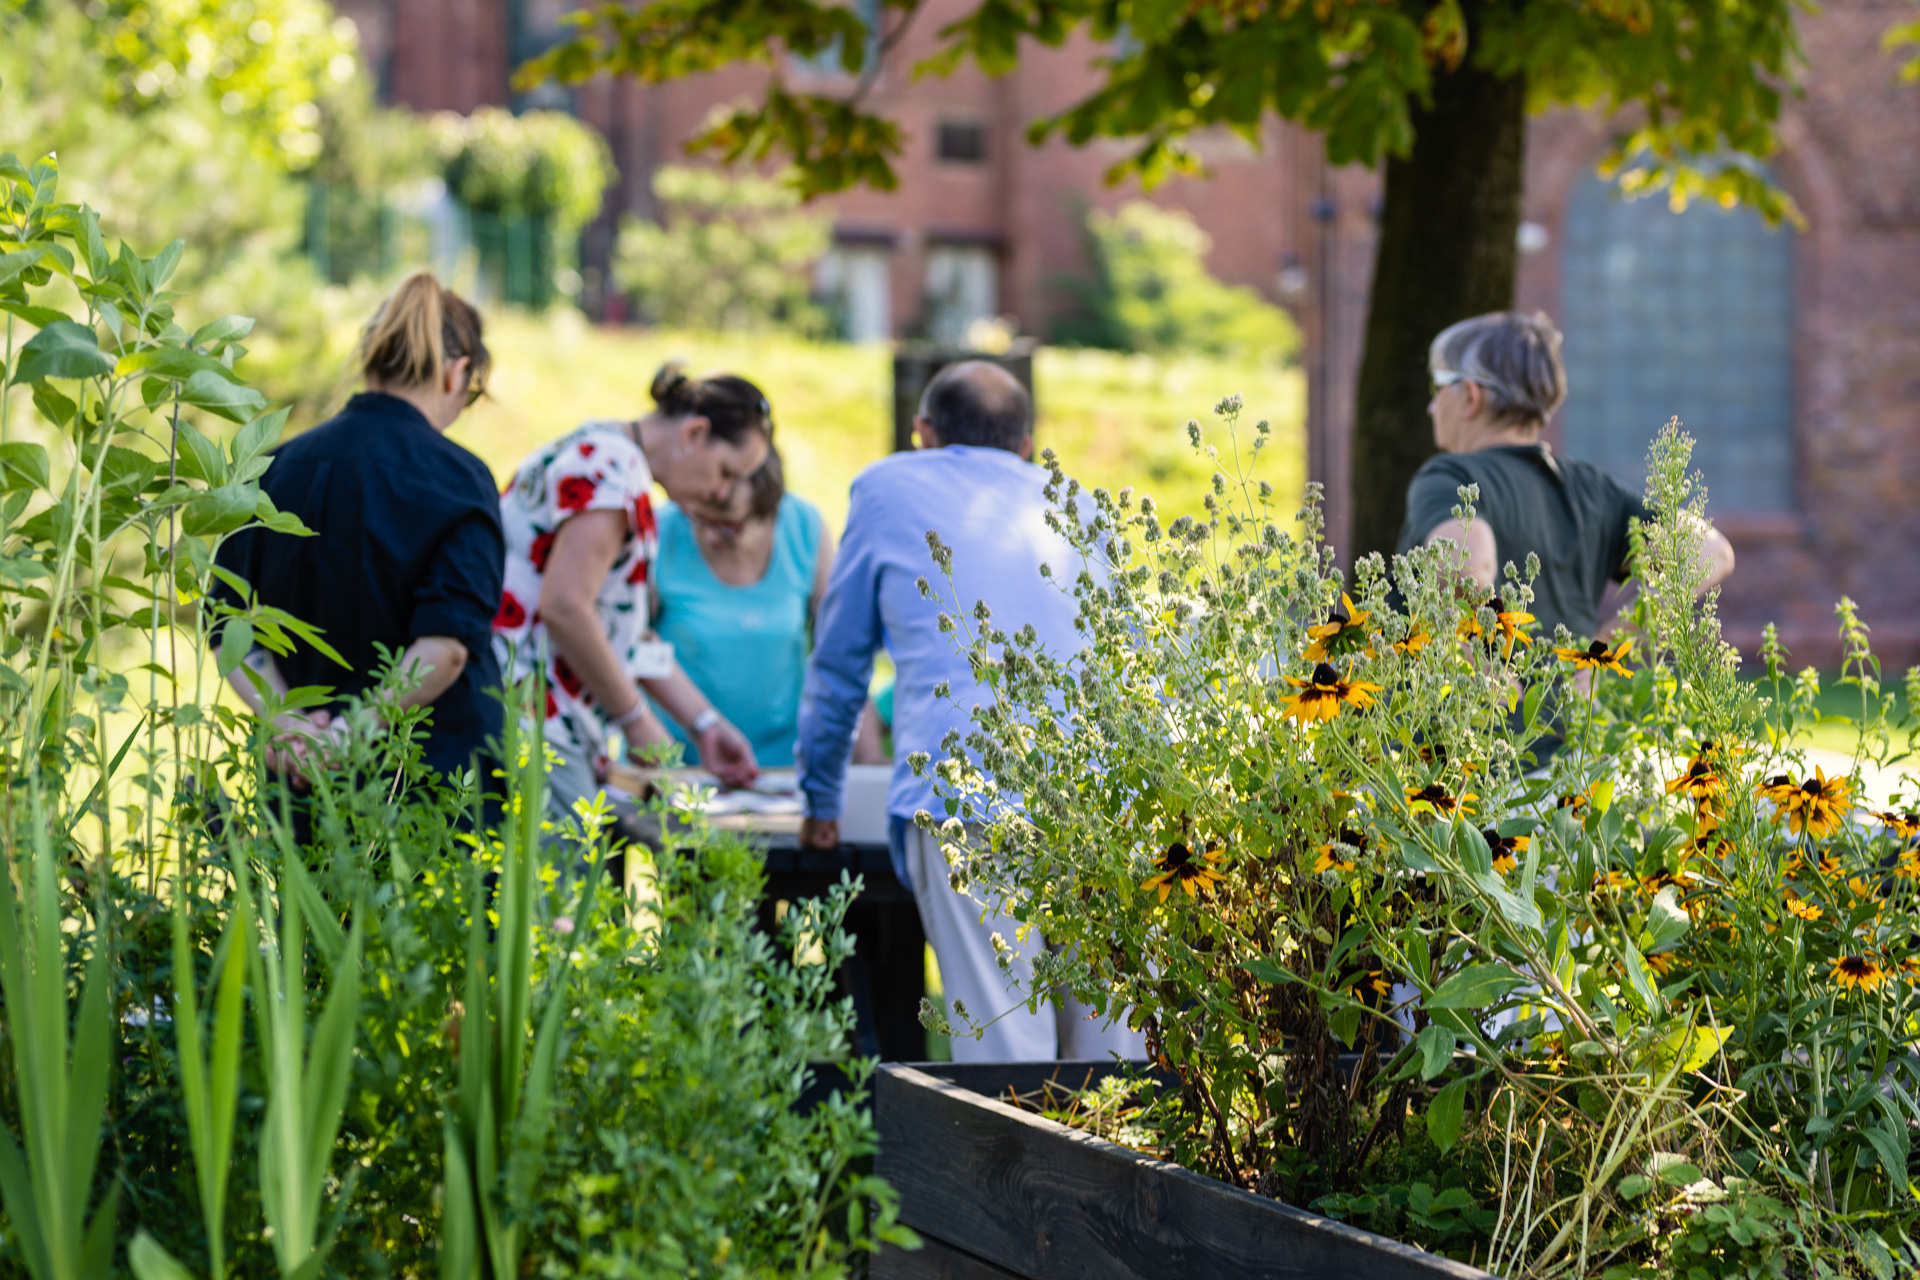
579,525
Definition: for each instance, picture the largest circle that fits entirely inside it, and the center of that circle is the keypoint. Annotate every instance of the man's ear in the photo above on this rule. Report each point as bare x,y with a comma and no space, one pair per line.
1476,398
1026,448
925,435
453,374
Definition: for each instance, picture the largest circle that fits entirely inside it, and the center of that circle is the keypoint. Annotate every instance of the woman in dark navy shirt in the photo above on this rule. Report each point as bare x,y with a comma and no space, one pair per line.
408,551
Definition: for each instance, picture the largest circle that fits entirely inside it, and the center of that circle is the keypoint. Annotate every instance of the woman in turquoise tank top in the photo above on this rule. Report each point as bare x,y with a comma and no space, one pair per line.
736,595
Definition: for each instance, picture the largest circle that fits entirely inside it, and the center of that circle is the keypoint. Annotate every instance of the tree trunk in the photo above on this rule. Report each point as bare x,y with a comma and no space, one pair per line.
1447,251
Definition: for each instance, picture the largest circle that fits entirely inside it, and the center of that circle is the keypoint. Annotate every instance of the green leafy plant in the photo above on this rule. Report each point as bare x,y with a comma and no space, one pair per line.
46,1181
1581,920
731,252
1151,292
156,860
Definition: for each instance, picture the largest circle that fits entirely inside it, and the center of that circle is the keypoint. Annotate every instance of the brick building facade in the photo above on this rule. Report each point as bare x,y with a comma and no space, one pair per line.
1794,358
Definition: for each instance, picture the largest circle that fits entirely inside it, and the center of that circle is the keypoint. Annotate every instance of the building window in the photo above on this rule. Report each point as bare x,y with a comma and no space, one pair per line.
852,283
1687,315
962,143
963,287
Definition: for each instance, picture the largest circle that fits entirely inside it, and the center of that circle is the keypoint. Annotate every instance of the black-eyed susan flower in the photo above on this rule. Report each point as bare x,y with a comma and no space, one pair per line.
1506,621
1779,788
1861,972
1322,694
1700,781
1434,798
1598,657
1817,806
1662,963
1506,849
1576,803
1827,865
1799,906
1367,983
1908,866
1344,629
1180,866
1613,882
1338,853
1910,969
1906,825
1418,637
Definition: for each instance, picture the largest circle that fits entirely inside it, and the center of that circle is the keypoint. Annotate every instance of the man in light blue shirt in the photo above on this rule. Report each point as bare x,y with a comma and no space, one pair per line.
971,482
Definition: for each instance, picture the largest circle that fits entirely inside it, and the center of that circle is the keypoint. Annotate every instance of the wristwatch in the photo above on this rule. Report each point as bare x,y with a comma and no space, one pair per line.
704,721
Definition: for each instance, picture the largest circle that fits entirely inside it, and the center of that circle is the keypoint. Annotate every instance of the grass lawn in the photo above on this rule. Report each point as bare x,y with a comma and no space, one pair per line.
1113,419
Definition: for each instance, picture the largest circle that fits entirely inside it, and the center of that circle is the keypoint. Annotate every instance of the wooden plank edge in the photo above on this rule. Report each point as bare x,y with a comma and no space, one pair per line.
1438,1265
935,1260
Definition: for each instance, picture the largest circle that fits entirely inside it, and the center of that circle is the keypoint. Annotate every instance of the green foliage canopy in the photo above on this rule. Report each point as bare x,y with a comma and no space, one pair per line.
733,252
1707,77
268,63
1151,292
539,165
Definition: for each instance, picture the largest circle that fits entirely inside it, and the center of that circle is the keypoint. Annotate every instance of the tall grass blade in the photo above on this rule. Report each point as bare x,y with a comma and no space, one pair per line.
47,1180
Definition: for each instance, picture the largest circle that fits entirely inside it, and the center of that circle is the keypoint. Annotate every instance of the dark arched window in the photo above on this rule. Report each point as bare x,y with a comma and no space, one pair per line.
1687,315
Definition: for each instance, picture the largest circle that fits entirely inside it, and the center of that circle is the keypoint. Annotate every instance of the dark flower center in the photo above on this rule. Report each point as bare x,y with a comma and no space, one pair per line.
1598,649
1325,674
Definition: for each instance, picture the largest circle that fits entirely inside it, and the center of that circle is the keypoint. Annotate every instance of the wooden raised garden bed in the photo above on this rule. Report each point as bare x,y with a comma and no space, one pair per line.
999,1193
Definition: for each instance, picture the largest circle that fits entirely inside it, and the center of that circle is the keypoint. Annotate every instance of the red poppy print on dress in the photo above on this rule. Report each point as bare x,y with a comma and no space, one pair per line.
575,493
639,573
542,548
643,522
512,613
553,708
567,677
586,450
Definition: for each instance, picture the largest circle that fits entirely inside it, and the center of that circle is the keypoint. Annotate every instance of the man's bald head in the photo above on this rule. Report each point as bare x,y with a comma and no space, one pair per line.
976,402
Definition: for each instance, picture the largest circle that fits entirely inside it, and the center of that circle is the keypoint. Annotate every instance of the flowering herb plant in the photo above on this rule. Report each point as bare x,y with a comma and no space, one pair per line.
1386,876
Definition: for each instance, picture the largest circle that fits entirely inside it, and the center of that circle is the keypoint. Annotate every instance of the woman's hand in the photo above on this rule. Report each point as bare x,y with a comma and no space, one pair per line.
726,753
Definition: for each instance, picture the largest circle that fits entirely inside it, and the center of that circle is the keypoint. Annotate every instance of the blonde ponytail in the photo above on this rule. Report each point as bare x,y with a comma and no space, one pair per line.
417,332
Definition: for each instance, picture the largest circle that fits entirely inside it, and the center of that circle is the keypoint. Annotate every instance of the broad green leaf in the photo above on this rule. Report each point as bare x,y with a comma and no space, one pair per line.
1667,922
62,350
1694,1046
1435,1044
1268,971
216,393
200,458
1635,1185
127,469
260,435
1446,1115
171,362
150,1261
1887,1150
12,264
1475,988
225,329
54,407
161,266
38,317
23,466
236,642
219,510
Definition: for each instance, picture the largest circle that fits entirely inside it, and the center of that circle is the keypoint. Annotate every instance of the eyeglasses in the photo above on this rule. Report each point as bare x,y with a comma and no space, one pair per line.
1440,379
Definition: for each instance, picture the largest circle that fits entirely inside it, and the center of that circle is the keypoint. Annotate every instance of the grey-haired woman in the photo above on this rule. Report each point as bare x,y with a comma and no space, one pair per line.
1496,380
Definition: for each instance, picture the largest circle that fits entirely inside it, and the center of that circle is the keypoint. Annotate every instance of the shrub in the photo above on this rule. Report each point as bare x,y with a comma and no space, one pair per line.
731,252
1276,816
373,1050
1151,292
543,165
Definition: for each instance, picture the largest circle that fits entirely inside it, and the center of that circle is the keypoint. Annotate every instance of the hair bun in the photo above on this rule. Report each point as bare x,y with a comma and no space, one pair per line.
670,386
